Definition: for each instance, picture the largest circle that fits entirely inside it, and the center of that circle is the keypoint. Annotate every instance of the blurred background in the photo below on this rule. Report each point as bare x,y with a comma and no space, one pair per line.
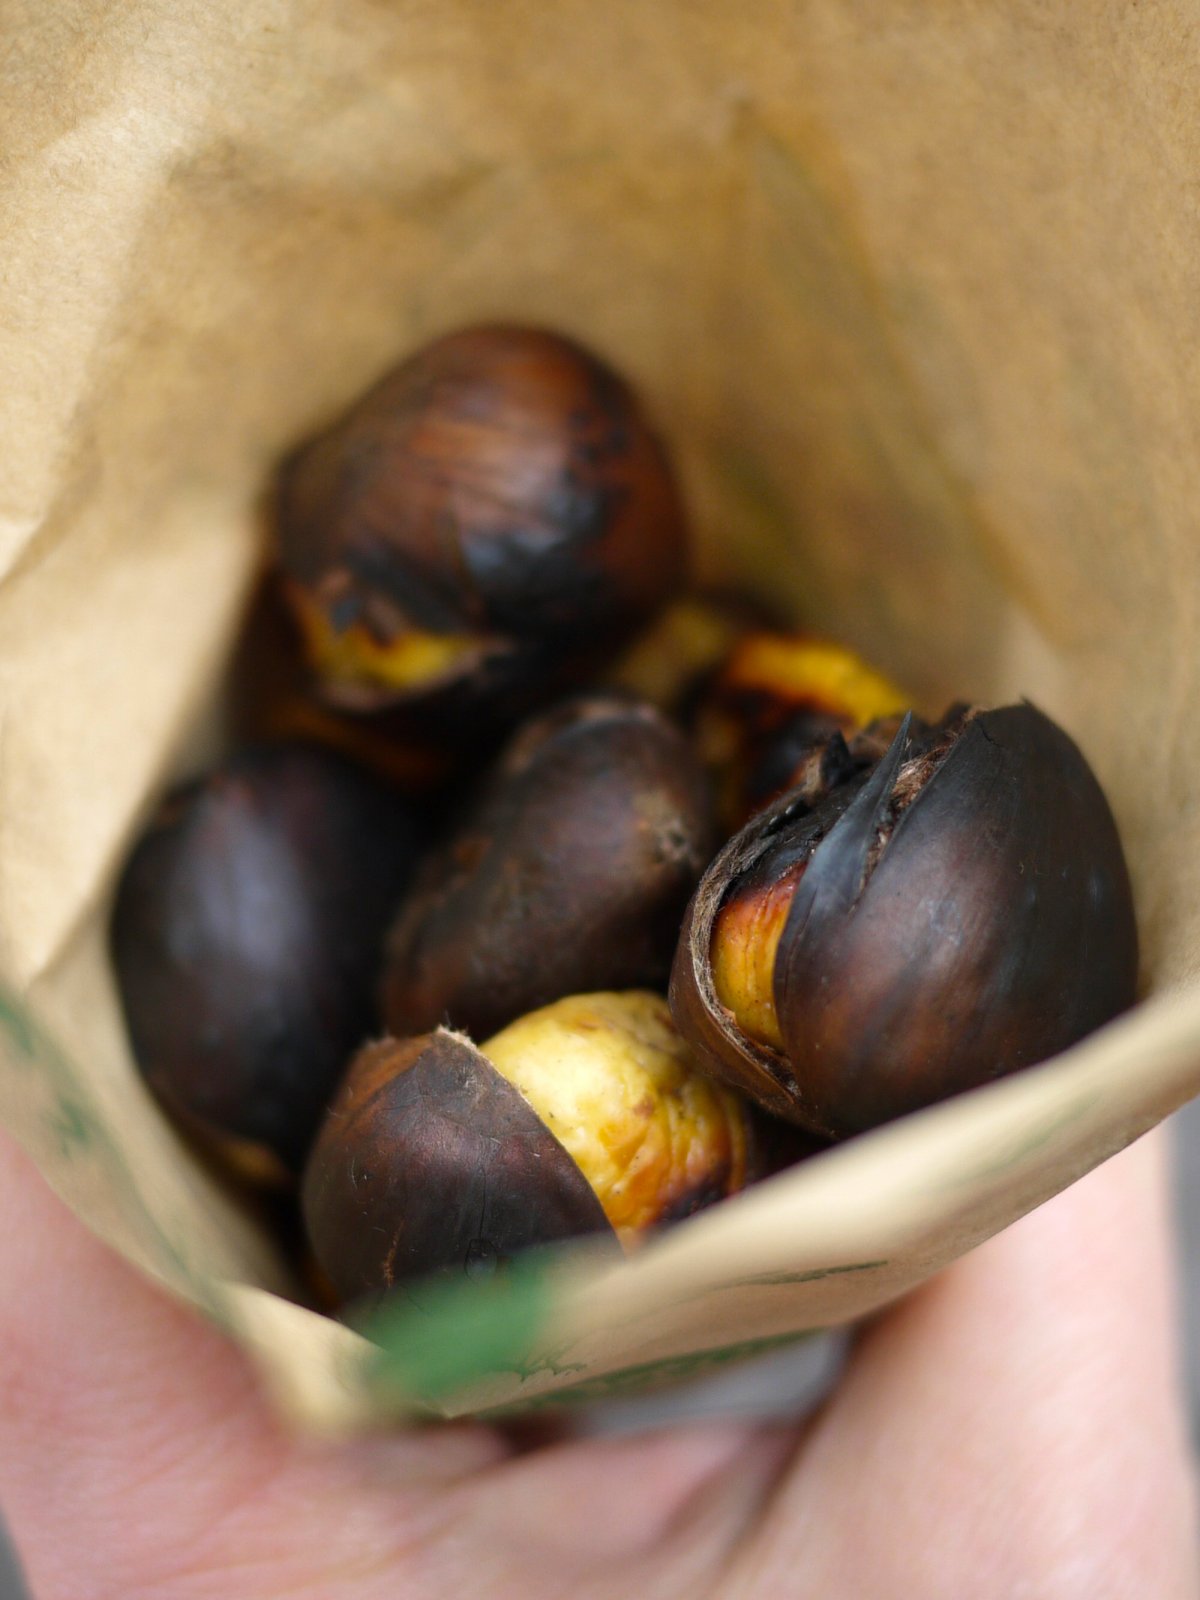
805,1372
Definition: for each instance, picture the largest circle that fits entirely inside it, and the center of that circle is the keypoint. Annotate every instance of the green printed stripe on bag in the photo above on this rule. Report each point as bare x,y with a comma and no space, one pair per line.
441,1335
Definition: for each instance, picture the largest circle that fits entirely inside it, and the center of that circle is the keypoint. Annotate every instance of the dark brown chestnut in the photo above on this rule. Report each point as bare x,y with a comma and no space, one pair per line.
570,873
586,1117
489,523
776,699
247,935
960,911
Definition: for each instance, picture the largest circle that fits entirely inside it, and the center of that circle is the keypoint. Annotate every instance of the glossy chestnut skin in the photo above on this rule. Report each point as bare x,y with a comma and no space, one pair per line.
584,1118
570,873
959,912
247,935
489,523
775,700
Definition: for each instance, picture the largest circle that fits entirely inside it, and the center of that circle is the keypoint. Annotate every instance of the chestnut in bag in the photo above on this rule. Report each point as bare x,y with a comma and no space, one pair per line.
960,911
570,873
247,937
493,521
586,1117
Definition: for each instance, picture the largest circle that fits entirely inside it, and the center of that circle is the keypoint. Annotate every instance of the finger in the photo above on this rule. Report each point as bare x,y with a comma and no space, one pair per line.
1014,1428
671,1500
128,1422
133,1438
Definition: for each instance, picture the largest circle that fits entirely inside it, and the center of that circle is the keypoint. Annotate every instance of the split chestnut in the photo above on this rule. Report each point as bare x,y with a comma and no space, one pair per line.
585,1118
957,911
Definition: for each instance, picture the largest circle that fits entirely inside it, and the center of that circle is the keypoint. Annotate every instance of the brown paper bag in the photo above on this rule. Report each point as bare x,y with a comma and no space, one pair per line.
912,295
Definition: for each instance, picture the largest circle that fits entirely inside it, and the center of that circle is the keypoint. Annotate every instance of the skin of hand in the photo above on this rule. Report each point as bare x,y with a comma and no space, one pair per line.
1012,1431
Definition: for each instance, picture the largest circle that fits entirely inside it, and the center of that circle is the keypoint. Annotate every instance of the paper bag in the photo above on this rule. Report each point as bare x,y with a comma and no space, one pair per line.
912,295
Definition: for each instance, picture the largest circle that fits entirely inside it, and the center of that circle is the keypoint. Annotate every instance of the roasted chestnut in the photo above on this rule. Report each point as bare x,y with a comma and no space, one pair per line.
961,910
491,522
586,1117
247,936
570,873
773,703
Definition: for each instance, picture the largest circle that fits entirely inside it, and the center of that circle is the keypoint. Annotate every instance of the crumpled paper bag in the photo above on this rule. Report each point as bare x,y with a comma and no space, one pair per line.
913,298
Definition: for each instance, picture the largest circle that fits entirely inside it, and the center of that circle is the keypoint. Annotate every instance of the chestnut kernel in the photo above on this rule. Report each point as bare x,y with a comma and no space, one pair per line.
773,705
247,936
488,524
610,1077
584,1118
959,911
571,873
670,663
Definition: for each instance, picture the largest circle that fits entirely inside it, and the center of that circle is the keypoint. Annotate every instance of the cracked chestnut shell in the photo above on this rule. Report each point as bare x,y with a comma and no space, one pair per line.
247,935
585,1118
958,912
487,525
570,873
775,701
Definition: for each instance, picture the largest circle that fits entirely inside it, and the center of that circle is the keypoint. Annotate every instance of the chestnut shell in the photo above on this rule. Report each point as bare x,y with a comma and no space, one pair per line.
963,913
570,874
431,1161
502,486
247,935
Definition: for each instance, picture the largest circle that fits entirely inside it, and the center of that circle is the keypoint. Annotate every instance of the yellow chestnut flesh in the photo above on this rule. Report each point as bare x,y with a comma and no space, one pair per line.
746,936
829,675
688,640
615,1085
413,659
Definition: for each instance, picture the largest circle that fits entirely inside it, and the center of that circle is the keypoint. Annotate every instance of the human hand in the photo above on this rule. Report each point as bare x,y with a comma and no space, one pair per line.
1011,1430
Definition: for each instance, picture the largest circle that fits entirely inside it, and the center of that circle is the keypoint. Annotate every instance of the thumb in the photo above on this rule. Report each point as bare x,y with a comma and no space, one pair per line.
1017,1426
